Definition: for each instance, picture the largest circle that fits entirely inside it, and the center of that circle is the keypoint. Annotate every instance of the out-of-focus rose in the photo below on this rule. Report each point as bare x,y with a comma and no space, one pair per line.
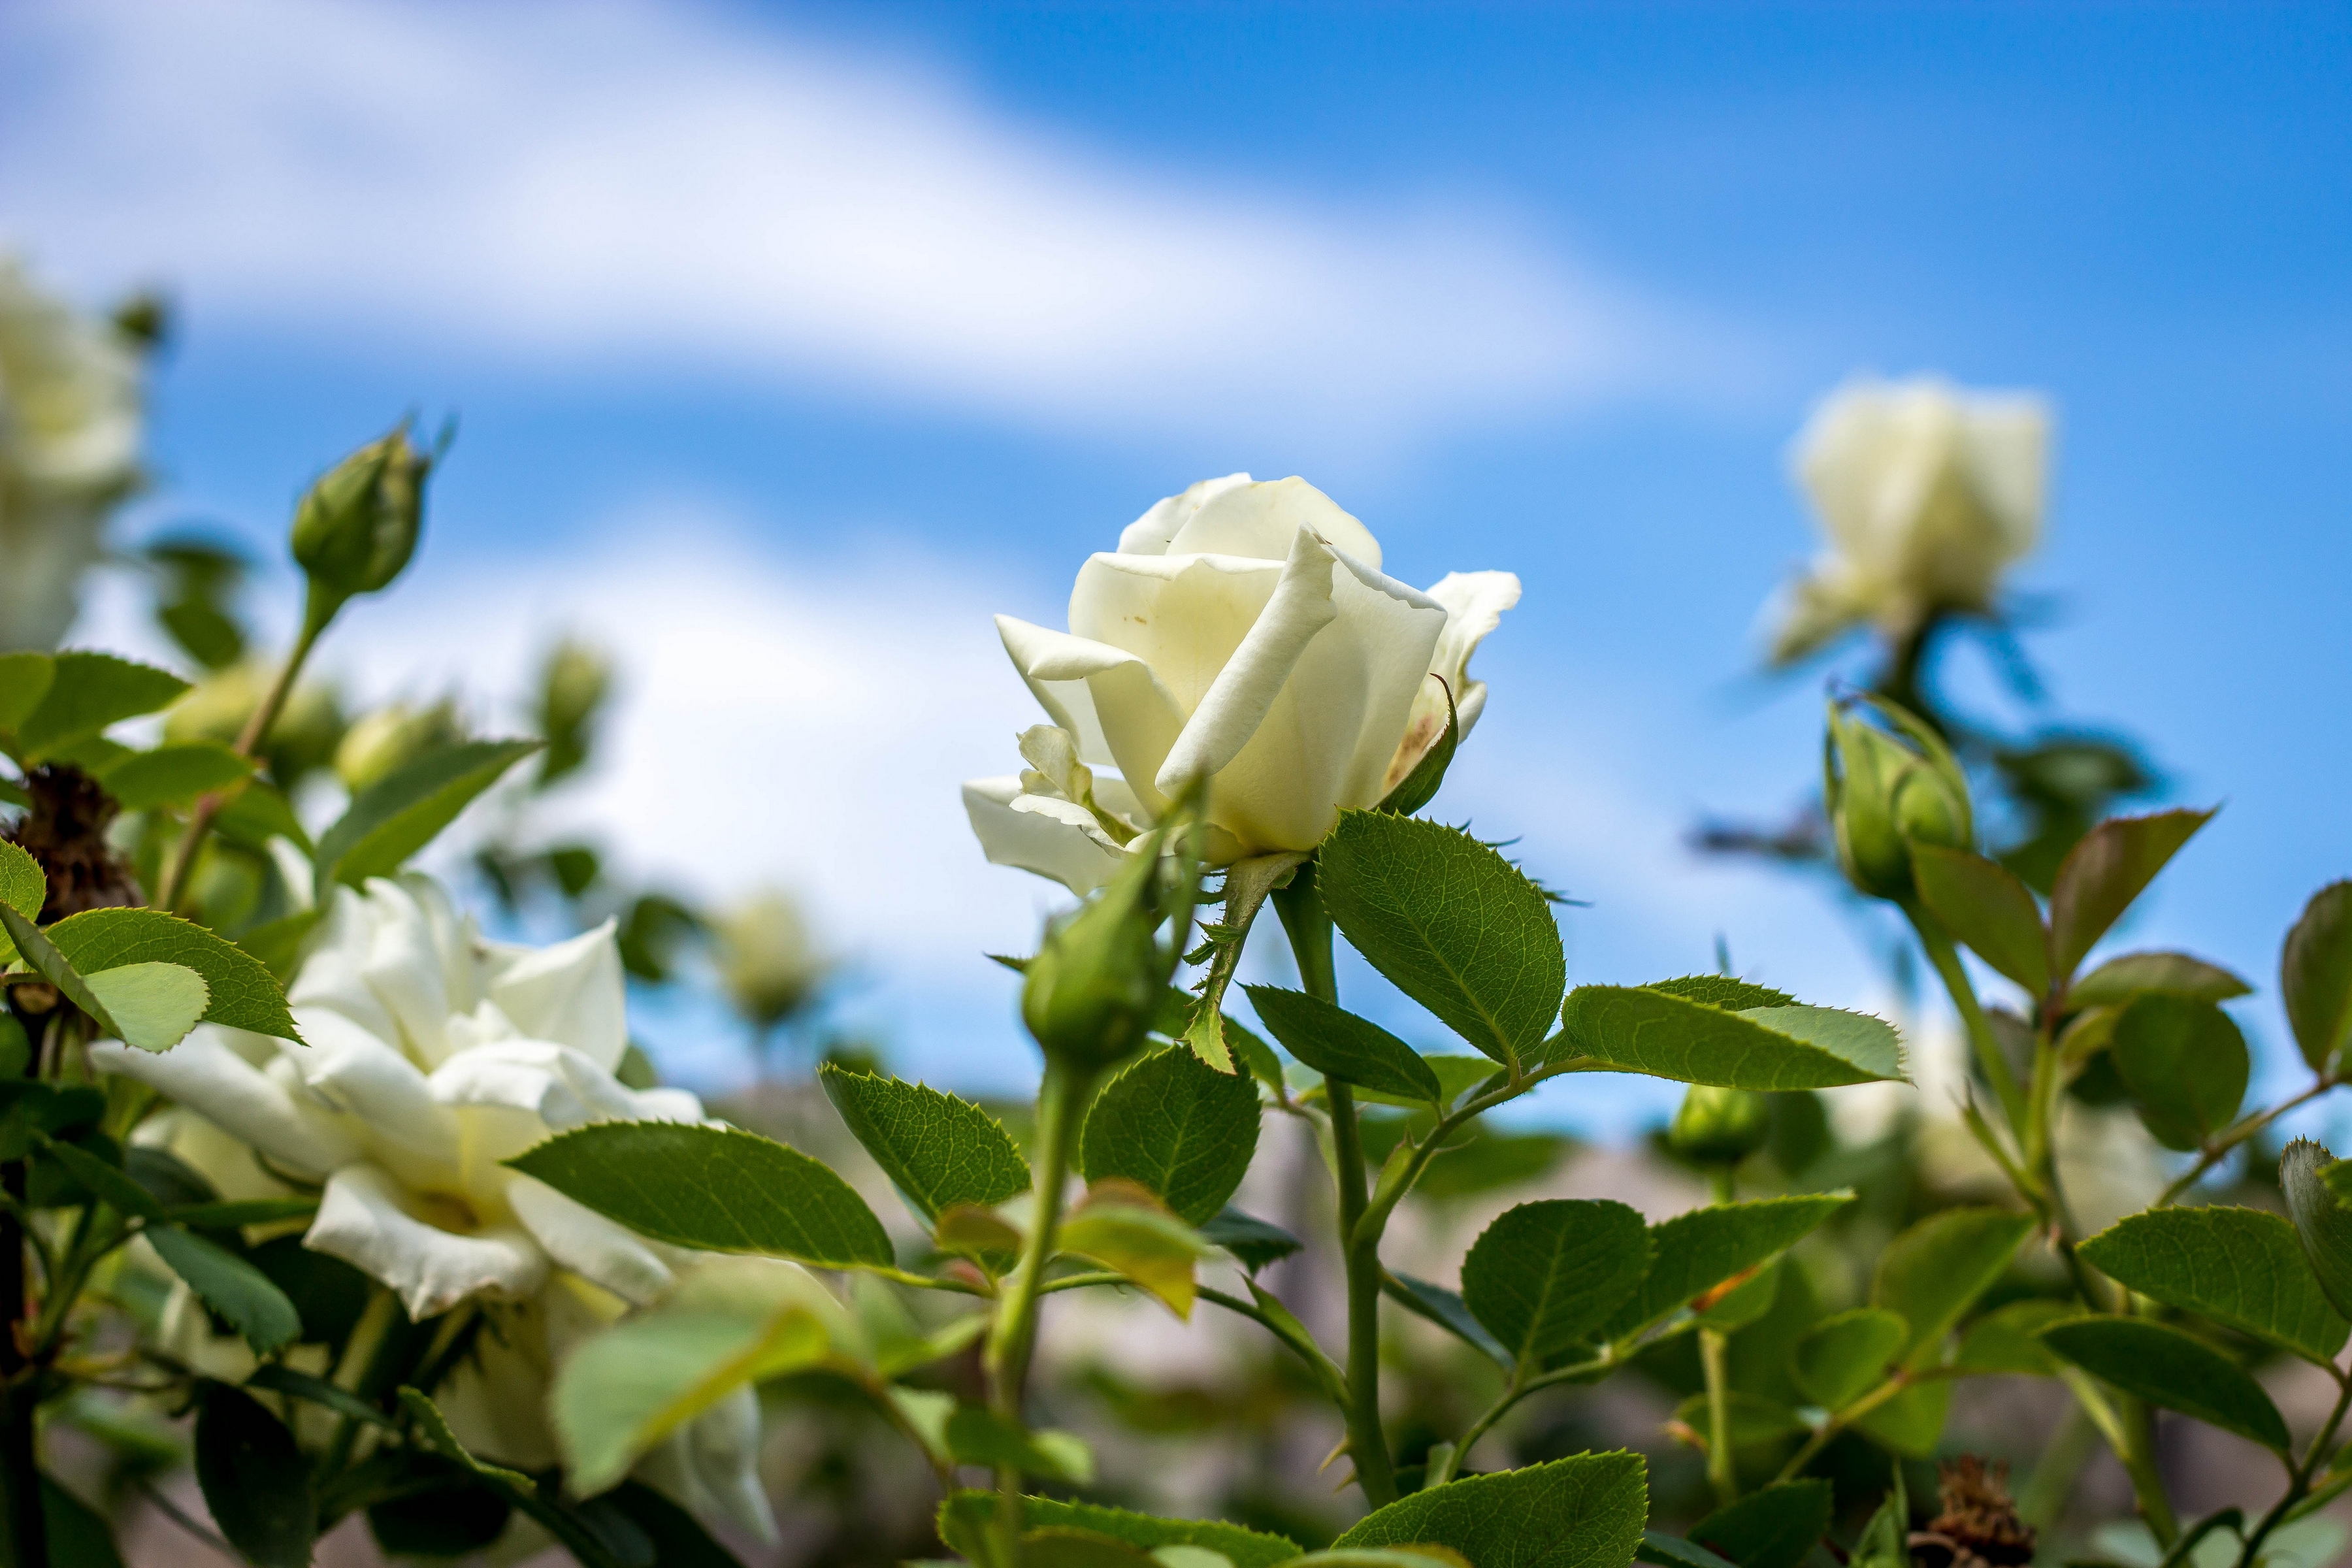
765,957
1926,493
70,432
386,738
1241,631
434,1054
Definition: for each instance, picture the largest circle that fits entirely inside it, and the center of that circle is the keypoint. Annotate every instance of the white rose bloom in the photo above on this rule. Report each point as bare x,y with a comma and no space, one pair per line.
70,432
433,1054
1244,631
1927,494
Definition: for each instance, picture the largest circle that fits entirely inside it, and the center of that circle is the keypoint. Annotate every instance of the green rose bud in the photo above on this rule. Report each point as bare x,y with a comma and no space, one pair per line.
356,529
1885,790
392,736
1720,1126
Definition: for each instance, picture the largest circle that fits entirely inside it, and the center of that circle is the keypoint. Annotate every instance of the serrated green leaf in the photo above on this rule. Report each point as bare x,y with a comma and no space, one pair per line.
2315,976
1177,1127
2119,979
25,679
2323,1222
1249,882
717,1188
255,1486
1546,1274
979,1436
2109,867
1912,1423
1451,924
1724,990
153,1005
24,886
87,692
1755,1422
1445,1307
101,1178
2165,1366
1693,1253
1988,909
1773,1526
1673,1552
1586,1511
230,1285
276,1377
2008,1340
1338,1044
1847,1354
31,943
402,812
2185,1063
940,1150
1933,1273
1252,1242
172,775
242,994
2239,1266
1639,1029
965,1515
1153,1249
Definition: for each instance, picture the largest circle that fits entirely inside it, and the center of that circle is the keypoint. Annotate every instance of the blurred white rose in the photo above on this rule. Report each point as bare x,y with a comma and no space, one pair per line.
1243,631
1926,493
70,433
433,1054
766,958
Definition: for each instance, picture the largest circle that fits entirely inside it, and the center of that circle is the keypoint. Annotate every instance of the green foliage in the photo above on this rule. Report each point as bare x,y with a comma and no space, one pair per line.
1693,1253
1546,1274
172,775
2315,976
240,1293
1933,1273
2323,1221
2008,1340
1673,1552
1177,1127
2185,1063
151,1006
2239,1266
1252,1242
940,1151
1846,1354
1437,1304
1985,908
2165,1366
1152,1247
241,994
2119,979
2104,872
1419,787
25,679
1641,1029
1587,1511
712,1187
976,1435
1338,1044
402,812
1724,990
1452,925
255,1483
576,1529
963,1516
24,887
79,1534
86,693
1773,1526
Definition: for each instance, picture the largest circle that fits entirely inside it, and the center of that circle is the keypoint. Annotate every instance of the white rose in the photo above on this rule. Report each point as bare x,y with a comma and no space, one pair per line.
70,433
1243,631
434,1054
1927,494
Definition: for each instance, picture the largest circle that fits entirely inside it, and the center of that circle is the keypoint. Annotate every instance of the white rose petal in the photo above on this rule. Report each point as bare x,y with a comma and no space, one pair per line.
363,1220
581,1240
1080,859
206,1074
562,1087
572,994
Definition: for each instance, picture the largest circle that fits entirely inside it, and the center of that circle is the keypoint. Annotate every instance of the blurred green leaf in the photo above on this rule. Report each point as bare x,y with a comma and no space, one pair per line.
1693,1253
1583,1512
87,692
242,994
2165,1366
25,680
583,1539
1988,909
1673,1552
1546,1274
24,886
2118,980
1755,1422
1252,1242
2185,1063
964,1516
101,1178
80,1536
1445,1307
400,814
2008,1340
153,1006
1338,1044
2104,873
1933,1273
979,1436
1773,1527
255,1485
1847,1354
940,1150
2315,976
259,813
277,945
1152,1247
172,775
2323,1221
1641,1029
230,1285
1912,1423
1177,1127
2239,1266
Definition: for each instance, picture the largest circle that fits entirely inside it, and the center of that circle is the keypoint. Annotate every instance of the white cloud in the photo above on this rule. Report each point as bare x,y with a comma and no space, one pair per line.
623,182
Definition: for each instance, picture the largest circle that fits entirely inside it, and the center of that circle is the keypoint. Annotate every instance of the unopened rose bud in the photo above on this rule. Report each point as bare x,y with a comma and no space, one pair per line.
356,529
1720,1126
1887,789
1096,988
380,742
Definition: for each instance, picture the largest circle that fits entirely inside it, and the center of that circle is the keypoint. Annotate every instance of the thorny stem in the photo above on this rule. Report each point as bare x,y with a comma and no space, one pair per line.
2299,1474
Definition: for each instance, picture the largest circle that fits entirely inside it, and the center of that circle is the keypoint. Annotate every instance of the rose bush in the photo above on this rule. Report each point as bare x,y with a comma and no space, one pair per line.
1244,631
1927,494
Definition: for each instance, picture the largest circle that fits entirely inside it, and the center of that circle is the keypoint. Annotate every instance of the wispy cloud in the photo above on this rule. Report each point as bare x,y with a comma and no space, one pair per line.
618,182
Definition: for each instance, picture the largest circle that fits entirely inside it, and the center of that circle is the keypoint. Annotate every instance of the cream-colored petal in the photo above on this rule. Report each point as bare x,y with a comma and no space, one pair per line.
334,971
581,1240
666,1105
1182,616
1474,603
2005,450
207,1075
454,940
1259,521
1245,687
365,1219
354,1072
572,994
1110,698
722,1449
403,968
1070,854
1149,534
562,1087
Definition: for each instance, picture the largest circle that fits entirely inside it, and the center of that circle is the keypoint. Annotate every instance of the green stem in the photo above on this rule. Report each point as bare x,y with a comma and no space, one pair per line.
2299,1474
2139,1455
1714,1348
2057,1468
1840,1420
1946,960
2230,1138
1308,925
24,1533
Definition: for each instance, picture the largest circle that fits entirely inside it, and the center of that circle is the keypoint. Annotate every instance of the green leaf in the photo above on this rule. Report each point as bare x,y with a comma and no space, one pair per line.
277,945
88,692
678,1538
979,1436
1724,990
2120,979
630,1386
717,1188
257,814
2239,1266
1252,1242
2185,1063
1696,1252
1437,1304
2315,976
1587,1511
1177,1127
1338,1044
79,1534
25,679
1454,1073
1984,906
583,1539
1755,1422
243,1212
276,1377
1673,1552
1419,787
2104,872
1932,1273
2165,1366
2008,1340
230,1285
1912,1423
153,1006
1248,881
173,774
255,1483
401,812
1546,1274
1773,1526
1885,1540
2323,1222
242,994
101,1178
940,1150
33,945
437,1512
1451,924
964,1515
24,886
1151,1247
1846,1354
1641,1029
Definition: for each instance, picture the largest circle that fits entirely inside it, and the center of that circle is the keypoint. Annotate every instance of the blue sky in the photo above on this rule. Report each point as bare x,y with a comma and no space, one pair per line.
789,341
